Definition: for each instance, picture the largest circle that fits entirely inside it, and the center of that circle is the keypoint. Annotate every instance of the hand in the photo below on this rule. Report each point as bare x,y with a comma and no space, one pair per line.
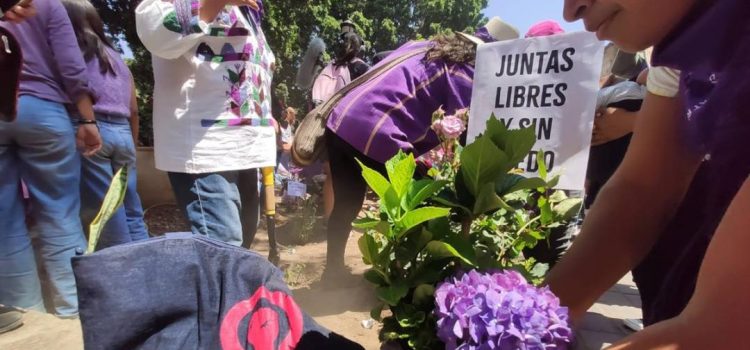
21,12
88,139
287,147
611,124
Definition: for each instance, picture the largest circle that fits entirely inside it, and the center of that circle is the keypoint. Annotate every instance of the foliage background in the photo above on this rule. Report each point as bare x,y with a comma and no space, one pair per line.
290,24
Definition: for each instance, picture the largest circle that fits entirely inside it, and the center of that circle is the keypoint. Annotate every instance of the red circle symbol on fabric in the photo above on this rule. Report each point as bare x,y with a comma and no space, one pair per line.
272,319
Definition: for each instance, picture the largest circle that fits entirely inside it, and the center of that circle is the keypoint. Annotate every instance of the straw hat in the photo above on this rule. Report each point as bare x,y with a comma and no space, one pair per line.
495,30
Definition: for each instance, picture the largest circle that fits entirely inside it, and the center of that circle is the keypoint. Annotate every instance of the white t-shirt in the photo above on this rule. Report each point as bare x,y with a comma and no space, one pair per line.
663,81
212,92
287,134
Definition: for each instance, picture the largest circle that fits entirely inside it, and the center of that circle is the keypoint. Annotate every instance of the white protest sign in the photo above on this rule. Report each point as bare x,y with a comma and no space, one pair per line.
296,189
548,83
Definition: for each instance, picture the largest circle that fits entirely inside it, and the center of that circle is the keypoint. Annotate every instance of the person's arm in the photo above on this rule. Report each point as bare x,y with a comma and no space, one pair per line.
19,12
73,74
134,117
88,139
612,124
632,209
717,315
68,57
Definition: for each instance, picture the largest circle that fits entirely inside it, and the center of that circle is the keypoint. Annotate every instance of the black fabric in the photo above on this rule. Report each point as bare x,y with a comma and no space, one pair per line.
357,68
606,158
348,193
10,70
6,5
185,291
381,56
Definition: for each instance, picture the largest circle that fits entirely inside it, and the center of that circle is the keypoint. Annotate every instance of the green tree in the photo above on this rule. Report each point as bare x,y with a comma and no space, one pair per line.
291,24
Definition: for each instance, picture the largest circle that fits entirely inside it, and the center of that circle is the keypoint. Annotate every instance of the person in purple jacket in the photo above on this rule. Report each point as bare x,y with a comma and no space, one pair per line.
40,147
677,208
117,116
392,113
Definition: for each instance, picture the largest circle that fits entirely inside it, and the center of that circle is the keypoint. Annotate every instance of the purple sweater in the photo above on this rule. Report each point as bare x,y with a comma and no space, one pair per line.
114,91
53,67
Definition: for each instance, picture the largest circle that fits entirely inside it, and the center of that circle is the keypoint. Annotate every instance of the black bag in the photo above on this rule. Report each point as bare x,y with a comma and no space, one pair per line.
184,291
10,69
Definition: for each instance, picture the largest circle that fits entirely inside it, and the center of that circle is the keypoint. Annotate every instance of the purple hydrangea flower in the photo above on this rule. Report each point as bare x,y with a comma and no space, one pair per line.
500,311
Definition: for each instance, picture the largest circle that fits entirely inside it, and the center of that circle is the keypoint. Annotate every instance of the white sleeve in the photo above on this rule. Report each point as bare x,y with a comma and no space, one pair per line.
169,29
663,81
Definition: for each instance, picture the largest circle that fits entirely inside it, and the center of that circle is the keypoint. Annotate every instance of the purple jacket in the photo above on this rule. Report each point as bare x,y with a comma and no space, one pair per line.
53,67
394,111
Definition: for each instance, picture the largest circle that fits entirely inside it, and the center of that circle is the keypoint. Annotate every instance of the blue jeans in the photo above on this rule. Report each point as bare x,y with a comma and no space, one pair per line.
118,151
40,148
222,206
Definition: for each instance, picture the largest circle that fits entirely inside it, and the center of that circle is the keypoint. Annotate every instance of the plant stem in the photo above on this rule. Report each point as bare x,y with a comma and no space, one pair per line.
466,227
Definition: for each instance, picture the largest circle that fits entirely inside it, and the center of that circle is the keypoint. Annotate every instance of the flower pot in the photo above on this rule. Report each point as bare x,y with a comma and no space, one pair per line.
153,184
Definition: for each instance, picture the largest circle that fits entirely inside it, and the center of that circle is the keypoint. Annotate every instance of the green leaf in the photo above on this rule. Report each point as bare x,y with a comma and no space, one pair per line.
411,319
449,199
528,184
365,223
424,294
444,250
558,196
535,234
375,180
375,277
369,249
401,174
421,191
505,182
515,143
568,208
520,142
112,201
481,162
392,295
540,163
433,173
552,183
540,270
392,203
487,200
421,215
545,208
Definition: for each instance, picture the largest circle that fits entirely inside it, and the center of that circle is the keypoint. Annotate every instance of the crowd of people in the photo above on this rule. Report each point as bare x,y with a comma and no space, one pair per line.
674,135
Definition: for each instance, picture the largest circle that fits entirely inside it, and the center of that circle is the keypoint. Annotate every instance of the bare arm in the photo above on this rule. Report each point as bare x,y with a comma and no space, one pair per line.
632,209
611,124
716,317
87,136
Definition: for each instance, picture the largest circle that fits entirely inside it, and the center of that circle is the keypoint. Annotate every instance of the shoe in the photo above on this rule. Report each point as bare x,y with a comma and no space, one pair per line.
10,319
633,324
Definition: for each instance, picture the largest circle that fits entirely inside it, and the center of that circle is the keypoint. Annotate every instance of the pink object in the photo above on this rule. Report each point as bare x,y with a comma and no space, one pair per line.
25,191
452,127
545,28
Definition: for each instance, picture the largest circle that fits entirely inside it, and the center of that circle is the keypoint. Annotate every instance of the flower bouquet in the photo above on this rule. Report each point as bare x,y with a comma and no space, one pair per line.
499,311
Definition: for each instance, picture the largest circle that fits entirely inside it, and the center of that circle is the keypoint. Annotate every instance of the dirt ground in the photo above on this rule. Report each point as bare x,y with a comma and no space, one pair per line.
341,310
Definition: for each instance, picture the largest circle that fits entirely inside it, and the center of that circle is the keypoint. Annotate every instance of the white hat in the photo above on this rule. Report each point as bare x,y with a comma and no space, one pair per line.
495,30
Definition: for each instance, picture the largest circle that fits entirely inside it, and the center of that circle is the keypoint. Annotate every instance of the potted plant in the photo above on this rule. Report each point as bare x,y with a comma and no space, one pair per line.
467,223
